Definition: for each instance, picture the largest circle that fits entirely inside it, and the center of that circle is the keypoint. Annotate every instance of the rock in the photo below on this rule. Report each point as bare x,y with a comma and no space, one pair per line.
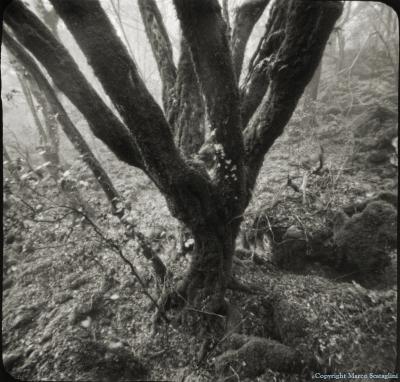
86,322
9,359
374,133
359,206
365,238
252,356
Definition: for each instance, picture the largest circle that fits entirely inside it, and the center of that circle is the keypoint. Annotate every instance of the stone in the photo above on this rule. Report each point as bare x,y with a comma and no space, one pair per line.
252,356
365,240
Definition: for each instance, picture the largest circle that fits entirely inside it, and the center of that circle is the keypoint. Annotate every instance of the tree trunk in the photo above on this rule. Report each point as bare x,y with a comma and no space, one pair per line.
48,137
50,121
246,16
210,271
311,95
341,50
160,45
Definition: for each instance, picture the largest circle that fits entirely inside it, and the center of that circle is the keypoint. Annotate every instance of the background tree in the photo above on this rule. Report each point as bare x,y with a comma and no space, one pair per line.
243,123
58,112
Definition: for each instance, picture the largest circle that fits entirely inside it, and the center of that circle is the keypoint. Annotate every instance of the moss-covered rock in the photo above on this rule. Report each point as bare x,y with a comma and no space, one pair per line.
252,356
364,240
374,132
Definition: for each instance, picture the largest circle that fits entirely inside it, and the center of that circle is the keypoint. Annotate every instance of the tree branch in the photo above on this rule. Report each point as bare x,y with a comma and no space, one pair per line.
306,34
118,74
246,16
187,189
257,80
67,125
49,17
160,45
204,29
225,15
186,113
67,77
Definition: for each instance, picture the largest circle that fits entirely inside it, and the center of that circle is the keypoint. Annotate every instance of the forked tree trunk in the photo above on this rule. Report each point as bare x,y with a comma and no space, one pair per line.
244,127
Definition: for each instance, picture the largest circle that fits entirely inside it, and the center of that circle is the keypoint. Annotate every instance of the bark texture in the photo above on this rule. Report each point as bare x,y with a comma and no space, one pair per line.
246,16
307,29
258,76
160,45
187,112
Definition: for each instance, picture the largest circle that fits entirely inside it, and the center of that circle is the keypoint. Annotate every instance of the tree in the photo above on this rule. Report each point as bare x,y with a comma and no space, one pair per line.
243,123
48,134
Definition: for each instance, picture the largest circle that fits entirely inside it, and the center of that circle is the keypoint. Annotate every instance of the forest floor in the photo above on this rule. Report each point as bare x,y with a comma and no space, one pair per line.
71,310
